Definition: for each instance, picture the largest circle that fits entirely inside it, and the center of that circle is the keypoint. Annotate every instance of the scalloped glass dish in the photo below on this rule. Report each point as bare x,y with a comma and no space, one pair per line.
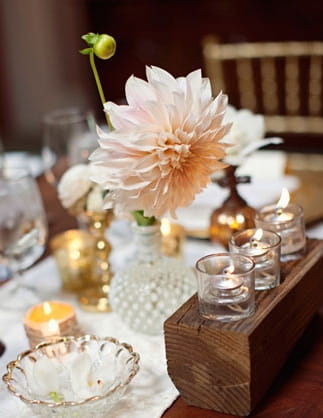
104,369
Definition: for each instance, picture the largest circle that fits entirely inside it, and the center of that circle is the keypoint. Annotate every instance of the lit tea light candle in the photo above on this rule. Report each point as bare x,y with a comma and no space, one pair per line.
172,238
228,281
225,286
264,248
48,320
254,246
281,213
287,220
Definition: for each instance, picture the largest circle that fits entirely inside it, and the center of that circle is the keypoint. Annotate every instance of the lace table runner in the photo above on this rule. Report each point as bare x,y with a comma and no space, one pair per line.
151,392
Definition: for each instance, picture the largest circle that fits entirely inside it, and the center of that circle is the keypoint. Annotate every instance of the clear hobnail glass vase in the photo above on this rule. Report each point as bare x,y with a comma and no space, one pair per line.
151,287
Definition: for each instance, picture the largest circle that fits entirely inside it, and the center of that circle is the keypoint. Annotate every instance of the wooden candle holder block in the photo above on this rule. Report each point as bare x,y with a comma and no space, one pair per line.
228,367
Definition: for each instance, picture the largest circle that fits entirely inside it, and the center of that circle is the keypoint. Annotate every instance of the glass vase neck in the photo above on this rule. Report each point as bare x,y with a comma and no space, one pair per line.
147,241
231,181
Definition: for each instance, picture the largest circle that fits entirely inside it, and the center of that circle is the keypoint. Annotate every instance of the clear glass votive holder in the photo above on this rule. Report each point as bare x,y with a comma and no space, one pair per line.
289,224
265,252
226,286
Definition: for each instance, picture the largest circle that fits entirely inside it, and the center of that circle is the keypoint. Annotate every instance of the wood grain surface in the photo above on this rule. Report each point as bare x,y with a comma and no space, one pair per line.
228,367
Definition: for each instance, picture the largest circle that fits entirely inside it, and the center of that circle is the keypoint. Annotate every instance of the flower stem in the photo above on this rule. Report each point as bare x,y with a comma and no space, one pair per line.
99,86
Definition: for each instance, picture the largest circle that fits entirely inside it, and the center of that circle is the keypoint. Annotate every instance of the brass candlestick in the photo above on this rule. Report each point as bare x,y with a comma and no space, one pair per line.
234,214
95,298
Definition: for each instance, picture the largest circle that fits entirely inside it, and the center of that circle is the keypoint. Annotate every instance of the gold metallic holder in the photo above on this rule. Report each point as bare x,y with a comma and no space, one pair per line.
74,253
234,214
95,298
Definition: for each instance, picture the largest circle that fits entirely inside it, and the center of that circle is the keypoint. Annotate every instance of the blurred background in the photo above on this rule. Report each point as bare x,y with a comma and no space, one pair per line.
42,70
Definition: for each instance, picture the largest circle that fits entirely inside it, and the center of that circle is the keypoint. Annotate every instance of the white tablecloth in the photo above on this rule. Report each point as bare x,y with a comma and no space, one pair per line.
151,392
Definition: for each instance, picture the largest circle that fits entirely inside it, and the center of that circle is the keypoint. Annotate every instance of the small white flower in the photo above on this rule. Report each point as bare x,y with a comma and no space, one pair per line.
74,377
246,134
43,376
74,184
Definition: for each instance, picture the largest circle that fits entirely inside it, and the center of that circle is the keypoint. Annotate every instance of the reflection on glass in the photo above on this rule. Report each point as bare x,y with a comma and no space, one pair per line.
69,137
23,232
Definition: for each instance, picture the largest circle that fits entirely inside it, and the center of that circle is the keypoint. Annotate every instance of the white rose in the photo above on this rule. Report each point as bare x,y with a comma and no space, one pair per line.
247,128
74,184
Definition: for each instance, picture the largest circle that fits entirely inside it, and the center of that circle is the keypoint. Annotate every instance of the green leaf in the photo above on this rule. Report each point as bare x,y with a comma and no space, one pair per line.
90,38
56,397
143,220
85,51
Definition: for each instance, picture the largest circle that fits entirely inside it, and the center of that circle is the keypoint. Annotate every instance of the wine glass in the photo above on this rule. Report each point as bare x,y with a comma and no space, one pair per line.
4,271
1,156
68,138
23,233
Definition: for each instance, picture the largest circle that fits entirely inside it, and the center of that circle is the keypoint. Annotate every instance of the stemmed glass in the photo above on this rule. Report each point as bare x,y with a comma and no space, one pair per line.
23,233
68,138
1,156
4,271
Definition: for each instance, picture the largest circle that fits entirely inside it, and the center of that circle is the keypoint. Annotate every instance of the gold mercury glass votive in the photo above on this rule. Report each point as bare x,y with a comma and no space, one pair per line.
74,253
172,238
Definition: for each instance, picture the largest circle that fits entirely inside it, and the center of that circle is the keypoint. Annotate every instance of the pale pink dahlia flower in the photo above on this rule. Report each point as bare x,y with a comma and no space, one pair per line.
165,143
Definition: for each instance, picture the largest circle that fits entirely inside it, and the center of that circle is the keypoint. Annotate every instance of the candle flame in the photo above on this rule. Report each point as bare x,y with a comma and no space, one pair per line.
257,235
165,227
53,327
47,308
283,200
229,270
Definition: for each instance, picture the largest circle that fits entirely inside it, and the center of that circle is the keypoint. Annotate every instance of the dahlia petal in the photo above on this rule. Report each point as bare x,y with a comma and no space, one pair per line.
138,91
159,114
206,92
156,74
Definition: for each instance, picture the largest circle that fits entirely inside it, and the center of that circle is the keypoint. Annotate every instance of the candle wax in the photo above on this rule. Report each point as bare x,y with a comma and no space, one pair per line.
279,216
255,248
228,283
57,311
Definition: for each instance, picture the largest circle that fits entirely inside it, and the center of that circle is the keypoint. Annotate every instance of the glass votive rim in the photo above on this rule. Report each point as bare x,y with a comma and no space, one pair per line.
226,286
265,251
295,208
227,255
270,238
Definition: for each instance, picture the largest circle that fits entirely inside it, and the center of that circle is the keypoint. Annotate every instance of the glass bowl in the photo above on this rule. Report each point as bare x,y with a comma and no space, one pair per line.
70,376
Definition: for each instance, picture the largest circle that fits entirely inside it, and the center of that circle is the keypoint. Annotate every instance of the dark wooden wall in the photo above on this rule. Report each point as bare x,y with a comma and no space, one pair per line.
168,33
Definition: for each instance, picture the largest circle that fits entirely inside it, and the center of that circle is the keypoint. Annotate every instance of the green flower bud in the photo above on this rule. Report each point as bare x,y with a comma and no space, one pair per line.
104,47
